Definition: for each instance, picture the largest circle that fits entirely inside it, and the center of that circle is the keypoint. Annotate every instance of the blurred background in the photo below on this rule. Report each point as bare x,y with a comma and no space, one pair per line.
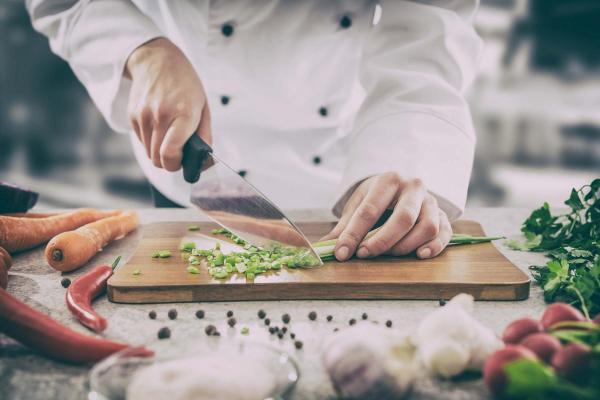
536,108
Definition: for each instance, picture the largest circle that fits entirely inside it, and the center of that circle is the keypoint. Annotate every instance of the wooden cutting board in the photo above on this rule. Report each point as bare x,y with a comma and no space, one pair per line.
478,269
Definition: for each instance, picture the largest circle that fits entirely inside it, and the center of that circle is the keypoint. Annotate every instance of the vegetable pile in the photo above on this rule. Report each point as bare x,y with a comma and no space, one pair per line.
557,357
573,243
254,261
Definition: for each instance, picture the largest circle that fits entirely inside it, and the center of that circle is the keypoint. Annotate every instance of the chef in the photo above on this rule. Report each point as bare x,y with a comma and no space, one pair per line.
352,105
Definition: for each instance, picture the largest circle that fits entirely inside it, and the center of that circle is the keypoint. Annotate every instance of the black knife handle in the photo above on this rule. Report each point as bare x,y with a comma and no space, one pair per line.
195,152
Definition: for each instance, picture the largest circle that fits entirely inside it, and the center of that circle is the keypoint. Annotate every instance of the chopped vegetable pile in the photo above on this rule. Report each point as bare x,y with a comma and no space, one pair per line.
573,243
253,261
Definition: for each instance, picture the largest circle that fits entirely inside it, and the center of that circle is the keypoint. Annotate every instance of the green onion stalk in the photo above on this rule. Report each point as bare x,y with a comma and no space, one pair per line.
254,261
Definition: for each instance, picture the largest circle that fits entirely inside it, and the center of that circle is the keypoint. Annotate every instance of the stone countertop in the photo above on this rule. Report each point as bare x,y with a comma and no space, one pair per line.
25,375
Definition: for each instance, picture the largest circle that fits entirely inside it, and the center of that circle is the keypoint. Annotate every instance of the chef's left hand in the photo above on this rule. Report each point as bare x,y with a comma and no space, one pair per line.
416,222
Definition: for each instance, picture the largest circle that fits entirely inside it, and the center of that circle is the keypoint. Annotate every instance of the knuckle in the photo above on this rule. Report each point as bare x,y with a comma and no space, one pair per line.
392,178
431,229
378,245
350,237
407,217
163,111
145,113
400,250
368,212
417,183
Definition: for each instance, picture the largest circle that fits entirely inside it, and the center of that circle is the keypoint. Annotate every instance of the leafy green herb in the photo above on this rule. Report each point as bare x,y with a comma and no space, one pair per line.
245,330
136,272
193,270
572,241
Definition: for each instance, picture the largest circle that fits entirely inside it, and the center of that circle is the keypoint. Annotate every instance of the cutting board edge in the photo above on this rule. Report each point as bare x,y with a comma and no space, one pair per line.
320,291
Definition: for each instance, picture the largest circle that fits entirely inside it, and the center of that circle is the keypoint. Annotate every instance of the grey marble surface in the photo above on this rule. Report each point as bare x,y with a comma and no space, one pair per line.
25,375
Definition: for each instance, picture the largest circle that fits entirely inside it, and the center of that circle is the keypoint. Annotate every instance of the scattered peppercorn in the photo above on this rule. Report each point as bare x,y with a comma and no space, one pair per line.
442,302
312,315
388,323
200,314
298,344
364,315
216,333
352,321
272,330
172,313
164,333
284,329
286,318
65,282
231,322
209,330
336,329
152,314
292,335
229,314
267,321
261,314
280,335
329,318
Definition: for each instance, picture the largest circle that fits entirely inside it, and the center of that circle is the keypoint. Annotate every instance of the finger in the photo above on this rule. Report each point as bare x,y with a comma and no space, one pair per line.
437,245
427,228
136,129
403,218
349,209
379,196
205,129
158,136
145,122
171,149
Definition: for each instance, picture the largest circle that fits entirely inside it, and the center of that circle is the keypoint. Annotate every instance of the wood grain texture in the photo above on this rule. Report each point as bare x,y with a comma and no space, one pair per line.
479,269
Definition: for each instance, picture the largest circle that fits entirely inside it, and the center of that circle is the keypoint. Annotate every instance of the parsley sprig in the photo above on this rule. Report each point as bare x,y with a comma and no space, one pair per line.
572,241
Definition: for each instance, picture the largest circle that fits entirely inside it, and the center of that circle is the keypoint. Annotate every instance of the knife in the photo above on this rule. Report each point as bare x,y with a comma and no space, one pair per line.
233,203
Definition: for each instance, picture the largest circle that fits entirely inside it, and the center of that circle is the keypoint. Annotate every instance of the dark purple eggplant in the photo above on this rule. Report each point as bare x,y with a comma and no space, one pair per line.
14,199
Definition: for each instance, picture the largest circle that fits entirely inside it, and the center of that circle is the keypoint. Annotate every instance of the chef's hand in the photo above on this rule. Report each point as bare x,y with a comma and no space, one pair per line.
416,221
167,103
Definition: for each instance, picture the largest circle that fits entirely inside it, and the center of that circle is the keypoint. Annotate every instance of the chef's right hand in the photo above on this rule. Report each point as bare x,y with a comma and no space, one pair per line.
167,103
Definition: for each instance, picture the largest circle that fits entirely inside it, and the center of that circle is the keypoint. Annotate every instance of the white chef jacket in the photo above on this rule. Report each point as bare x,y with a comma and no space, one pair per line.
308,98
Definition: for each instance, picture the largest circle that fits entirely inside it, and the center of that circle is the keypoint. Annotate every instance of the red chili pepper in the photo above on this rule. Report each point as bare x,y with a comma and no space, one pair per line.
86,288
40,332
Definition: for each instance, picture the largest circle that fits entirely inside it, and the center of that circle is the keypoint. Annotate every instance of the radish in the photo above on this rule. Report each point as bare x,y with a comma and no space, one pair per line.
493,370
520,328
559,312
573,362
542,344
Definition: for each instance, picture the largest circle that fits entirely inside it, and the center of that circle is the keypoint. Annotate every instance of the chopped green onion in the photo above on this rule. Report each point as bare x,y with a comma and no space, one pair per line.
164,254
245,330
188,246
136,272
193,270
193,228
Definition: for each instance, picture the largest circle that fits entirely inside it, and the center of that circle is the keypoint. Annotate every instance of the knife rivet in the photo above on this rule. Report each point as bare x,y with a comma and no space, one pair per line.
316,160
242,172
323,111
224,100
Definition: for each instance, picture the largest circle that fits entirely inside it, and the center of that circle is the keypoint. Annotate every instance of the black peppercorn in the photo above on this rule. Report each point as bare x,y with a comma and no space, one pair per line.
209,330
365,316
267,321
280,335
292,335
216,333
298,344
336,329
388,323
442,302
261,314
352,321
272,330
231,322
329,318
312,315
65,282
164,333
200,314
229,314
172,313
284,329
286,318
152,314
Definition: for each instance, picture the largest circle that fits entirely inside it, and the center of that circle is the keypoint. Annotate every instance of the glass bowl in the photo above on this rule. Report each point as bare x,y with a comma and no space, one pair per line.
214,367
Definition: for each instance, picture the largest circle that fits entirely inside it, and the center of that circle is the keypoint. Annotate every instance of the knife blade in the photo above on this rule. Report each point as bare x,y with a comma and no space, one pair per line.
233,203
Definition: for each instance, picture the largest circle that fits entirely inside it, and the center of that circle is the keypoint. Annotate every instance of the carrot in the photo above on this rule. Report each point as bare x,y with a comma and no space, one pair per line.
5,263
17,234
70,250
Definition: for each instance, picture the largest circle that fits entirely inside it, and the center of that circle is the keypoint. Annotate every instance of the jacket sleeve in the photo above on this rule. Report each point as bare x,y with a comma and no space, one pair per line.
96,37
416,65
